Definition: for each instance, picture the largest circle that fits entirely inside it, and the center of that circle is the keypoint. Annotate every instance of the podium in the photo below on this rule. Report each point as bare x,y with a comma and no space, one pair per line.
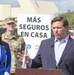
21,71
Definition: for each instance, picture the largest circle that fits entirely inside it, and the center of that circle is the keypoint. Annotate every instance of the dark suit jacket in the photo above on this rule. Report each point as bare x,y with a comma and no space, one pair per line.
45,57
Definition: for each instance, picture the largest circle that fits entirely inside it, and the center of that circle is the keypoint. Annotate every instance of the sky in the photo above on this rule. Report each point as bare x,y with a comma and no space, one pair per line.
62,5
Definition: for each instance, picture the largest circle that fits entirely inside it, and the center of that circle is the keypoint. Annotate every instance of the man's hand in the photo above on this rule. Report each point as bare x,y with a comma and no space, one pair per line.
21,57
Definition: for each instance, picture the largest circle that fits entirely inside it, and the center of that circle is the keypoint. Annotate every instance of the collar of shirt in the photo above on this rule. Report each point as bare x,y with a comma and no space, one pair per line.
64,40
10,36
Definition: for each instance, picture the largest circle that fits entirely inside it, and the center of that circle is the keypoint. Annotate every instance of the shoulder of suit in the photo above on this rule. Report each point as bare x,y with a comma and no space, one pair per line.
49,39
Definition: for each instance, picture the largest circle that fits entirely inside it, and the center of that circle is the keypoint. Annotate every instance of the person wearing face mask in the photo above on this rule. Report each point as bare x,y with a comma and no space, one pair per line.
5,57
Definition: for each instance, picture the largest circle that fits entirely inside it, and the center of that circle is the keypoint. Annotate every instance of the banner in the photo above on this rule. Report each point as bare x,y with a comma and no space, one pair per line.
34,28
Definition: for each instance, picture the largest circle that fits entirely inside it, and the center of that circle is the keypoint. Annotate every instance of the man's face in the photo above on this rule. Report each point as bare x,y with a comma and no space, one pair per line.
59,30
10,26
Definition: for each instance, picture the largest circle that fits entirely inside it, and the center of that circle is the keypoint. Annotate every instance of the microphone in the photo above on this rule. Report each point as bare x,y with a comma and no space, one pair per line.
52,45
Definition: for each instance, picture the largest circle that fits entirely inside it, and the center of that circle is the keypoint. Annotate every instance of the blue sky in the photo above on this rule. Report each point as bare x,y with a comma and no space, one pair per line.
14,3
62,5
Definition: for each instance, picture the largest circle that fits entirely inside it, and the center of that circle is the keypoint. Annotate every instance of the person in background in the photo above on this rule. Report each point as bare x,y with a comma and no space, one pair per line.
72,35
15,41
5,57
56,52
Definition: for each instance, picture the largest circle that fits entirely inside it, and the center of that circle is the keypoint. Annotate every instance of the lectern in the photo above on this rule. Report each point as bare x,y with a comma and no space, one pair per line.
21,71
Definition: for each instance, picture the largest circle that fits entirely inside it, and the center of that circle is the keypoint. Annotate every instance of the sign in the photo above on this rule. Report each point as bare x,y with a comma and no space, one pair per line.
34,28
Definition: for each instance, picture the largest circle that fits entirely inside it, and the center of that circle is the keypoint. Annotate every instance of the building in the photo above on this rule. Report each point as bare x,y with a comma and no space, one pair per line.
27,7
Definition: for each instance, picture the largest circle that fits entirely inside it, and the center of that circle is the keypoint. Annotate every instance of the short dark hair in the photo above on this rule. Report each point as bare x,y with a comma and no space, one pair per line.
60,18
2,42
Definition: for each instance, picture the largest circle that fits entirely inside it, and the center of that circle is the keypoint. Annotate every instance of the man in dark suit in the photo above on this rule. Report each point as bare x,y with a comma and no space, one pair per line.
56,52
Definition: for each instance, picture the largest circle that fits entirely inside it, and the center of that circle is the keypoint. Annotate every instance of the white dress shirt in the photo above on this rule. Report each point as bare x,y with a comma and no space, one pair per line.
59,47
